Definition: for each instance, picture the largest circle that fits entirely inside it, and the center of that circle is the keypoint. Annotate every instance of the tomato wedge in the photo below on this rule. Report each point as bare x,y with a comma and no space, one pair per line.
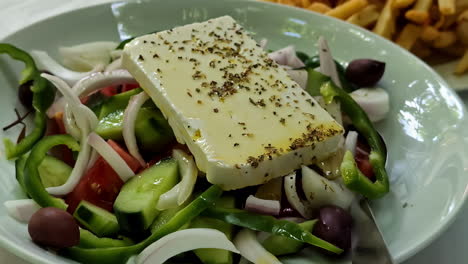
362,160
113,90
101,184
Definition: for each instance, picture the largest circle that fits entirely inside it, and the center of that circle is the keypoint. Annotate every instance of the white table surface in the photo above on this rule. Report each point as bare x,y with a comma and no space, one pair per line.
451,247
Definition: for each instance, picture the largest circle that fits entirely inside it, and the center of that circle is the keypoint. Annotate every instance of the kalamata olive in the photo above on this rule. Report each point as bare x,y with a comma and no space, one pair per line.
365,72
25,94
53,227
334,225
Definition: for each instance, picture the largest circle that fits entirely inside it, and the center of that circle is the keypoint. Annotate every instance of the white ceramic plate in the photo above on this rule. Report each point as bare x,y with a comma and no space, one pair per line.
424,131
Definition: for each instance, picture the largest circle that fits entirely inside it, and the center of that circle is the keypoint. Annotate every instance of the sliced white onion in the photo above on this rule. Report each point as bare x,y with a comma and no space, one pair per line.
83,123
262,206
374,101
246,242
182,241
115,54
46,63
92,159
84,57
181,191
293,219
111,156
96,81
299,76
293,198
327,64
21,210
286,56
89,85
320,191
115,65
57,107
129,119
69,123
351,141
263,43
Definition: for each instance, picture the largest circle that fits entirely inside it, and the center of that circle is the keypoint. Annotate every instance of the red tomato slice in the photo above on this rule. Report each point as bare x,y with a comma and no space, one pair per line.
362,160
113,90
101,184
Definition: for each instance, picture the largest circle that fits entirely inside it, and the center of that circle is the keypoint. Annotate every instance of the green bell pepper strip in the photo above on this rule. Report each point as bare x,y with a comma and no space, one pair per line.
313,62
43,97
19,171
269,224
352,176
116,255
15,150
32,180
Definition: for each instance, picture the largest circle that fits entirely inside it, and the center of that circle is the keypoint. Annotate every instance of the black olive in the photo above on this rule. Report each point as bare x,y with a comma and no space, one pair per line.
365,72
54,228
334,225
25,94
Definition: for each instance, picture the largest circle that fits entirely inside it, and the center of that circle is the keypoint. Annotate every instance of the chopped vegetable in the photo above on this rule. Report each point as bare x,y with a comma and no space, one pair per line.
352,177
111,156
334,225
129,119
251,249
365,72
48,64
86,121
184,240
320,191
262,206
53,227
269,224
21,210
280,245
290,190
43,96
32,181
182,191
87,56
117,255
374,101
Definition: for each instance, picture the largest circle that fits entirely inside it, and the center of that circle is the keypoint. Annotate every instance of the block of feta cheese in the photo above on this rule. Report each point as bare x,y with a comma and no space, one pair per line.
243,118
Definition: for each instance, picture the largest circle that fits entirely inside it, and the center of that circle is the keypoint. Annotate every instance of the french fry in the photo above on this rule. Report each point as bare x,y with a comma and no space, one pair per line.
365,17
319,7
347,9
403,3
421,50
305,3
385,25
287,2
409,35
462,65
447,7
420,12
462,27
461,4
445,39
429,34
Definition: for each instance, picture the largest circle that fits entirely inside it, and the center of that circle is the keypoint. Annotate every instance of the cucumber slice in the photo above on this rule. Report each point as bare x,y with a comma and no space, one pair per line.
53,172
151,128
135,206
89,240
97,220
209,255
117,102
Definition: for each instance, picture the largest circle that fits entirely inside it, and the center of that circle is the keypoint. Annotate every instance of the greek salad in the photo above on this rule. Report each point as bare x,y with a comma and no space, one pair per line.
195,143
